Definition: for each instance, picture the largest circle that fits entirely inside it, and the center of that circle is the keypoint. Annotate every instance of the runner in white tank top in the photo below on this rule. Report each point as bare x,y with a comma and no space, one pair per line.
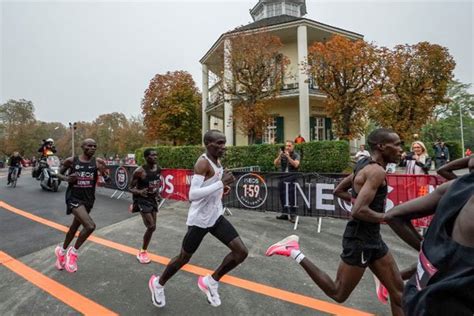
205,211
208,185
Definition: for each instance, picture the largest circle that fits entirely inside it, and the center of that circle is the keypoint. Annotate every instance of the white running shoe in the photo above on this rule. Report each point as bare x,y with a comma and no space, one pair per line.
210,290
157,292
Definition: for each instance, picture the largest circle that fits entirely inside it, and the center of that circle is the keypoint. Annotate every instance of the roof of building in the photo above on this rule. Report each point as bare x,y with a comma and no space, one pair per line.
280,19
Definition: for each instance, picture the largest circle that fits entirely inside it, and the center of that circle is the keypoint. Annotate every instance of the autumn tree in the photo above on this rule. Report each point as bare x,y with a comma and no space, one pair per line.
350,74
257,70
172,109
417,82
131,136
17,119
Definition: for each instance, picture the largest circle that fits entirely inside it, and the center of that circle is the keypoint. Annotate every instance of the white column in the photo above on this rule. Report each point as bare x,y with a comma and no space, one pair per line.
303,83
228,109
205,99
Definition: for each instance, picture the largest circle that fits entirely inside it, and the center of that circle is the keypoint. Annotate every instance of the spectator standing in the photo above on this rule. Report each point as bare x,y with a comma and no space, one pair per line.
441,154
468,152
417,161
300,139
288,161
362,153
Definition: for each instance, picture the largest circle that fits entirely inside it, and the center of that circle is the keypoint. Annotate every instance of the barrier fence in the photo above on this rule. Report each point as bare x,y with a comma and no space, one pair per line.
308,194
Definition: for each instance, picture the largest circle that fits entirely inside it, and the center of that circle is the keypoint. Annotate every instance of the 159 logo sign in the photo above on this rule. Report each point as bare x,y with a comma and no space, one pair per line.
251,190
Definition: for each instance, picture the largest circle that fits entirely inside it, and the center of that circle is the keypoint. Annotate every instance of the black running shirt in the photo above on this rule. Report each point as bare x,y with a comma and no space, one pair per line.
367,232
84,189
151,182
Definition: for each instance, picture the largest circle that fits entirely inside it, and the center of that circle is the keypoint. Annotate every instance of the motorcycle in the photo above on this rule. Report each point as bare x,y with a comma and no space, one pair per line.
49,180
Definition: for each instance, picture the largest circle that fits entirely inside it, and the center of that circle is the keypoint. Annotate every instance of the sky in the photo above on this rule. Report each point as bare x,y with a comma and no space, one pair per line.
76,60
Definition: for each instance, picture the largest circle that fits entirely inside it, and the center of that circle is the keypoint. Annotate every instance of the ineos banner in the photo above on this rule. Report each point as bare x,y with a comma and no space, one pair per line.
309,194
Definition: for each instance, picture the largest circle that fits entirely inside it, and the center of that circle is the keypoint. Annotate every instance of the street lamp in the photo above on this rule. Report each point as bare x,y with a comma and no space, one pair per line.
462,129
72,127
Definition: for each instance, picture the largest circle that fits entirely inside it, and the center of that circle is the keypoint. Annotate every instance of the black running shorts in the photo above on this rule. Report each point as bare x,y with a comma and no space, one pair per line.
355,252
222,230
72,203
144,206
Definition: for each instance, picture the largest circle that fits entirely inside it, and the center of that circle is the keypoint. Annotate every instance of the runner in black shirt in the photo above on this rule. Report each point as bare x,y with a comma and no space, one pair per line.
444,281
145,187
362,243
80,197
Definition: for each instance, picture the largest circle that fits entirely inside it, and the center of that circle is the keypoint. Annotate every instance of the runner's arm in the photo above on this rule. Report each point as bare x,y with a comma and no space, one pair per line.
446,171
137,175
67,164
196,192
360,208
342,188
104,171
405,230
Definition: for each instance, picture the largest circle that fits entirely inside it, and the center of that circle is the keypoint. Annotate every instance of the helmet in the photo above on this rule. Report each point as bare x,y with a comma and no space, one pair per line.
49,140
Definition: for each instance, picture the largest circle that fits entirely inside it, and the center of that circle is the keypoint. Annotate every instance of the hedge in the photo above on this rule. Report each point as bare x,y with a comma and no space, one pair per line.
321,156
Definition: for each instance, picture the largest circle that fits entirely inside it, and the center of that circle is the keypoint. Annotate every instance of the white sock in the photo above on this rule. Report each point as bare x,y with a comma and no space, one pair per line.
157,282
297,255
211,280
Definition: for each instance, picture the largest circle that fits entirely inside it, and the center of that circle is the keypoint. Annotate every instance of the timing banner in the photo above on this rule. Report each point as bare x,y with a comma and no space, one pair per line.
308,194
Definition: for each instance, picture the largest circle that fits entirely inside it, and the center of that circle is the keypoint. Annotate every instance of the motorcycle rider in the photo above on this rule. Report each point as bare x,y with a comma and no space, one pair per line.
47,149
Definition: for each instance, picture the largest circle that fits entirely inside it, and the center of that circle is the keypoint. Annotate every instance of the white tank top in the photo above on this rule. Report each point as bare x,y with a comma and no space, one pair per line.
205,212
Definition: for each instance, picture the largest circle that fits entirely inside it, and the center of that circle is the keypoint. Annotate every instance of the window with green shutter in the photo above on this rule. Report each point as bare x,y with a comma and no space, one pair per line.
280,130
328,125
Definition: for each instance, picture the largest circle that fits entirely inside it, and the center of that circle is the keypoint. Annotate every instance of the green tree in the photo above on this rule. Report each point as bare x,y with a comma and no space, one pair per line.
446,121
172,109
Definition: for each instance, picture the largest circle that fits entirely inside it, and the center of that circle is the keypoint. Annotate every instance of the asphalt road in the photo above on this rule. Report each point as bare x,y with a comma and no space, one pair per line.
32,223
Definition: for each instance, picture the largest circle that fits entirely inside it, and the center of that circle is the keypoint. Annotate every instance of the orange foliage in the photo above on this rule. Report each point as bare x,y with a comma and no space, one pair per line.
417,81
258,70
349,73
171,109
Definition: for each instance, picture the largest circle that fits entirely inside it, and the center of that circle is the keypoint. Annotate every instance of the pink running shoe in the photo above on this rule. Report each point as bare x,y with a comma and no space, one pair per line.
71,260
381,290
60,257
284,247
143,258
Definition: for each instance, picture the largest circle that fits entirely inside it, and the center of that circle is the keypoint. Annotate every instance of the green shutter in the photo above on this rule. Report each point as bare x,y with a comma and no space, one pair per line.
312,123
328,126
280,130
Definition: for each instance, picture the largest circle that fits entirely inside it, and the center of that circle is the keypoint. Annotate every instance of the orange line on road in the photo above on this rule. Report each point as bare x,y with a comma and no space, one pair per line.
266,290
64,294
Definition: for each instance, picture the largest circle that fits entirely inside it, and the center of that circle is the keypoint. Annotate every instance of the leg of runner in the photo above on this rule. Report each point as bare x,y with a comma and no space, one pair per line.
80,213
87,223
238,254
386,270
60,251
149,219
347,278
174,266
156,284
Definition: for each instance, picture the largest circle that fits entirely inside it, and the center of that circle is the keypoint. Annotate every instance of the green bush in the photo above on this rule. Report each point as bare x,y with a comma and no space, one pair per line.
322,156
455,150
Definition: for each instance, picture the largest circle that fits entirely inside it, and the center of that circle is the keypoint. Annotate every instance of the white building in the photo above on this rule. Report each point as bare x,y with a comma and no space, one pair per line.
299,108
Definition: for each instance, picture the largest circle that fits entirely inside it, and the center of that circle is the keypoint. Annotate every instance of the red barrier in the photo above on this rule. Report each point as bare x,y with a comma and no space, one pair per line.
175,184
408,187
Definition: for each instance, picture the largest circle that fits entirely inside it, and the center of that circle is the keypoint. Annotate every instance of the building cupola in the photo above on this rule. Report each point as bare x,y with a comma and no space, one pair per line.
271,8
